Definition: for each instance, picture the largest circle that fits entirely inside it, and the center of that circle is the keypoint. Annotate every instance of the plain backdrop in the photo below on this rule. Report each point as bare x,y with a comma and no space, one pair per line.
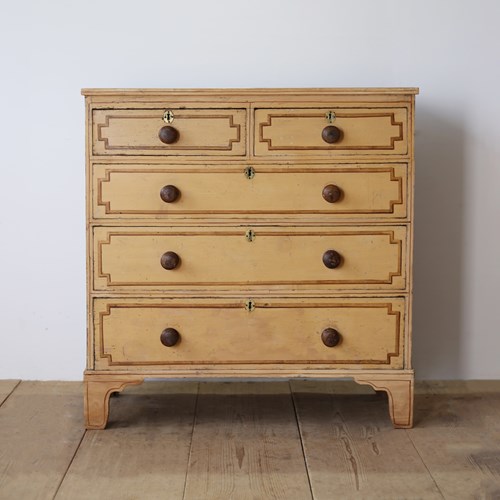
448,48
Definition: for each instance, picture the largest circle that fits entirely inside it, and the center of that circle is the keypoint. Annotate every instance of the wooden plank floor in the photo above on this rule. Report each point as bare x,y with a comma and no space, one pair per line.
250,440
6,389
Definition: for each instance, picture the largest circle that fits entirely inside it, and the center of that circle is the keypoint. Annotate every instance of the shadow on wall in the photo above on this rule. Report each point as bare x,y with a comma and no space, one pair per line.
438,251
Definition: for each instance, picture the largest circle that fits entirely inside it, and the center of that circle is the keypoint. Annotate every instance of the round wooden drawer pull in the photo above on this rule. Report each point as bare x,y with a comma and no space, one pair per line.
332,193
330,337
332,259
331,134
169,193
170,260
169,337
168,134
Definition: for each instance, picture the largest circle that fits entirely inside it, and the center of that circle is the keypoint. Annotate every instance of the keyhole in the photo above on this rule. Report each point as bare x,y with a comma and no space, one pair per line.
250,306
249,172
168,116
330,116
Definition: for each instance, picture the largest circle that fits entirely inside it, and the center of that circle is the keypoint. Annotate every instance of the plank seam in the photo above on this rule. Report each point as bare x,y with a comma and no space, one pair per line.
424,464
69,465
195,412
10,393
300,438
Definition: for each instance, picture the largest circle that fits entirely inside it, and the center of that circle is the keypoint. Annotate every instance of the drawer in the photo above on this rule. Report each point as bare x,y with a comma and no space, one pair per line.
362,257
362,131
202,132
355,191
128,332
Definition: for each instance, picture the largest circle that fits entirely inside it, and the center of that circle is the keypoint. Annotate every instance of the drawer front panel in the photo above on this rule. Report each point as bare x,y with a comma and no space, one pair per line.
363,131
376,191
127,332
202,132
370,258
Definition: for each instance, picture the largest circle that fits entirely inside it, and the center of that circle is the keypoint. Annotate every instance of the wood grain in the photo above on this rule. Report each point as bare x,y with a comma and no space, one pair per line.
457,434
143,453
246,445
41,426
6,388
364,457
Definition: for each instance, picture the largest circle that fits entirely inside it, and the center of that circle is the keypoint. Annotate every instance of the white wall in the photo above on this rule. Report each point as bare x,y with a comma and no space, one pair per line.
449,48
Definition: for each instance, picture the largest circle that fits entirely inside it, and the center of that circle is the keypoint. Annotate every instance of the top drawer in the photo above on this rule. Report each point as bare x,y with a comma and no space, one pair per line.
353,131
196,132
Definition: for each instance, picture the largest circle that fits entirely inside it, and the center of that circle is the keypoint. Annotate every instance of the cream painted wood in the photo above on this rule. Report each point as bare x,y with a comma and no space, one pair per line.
128,334
242,94
364,131
201,132
372,191
129,227
400,391
96,398
131,258
212,371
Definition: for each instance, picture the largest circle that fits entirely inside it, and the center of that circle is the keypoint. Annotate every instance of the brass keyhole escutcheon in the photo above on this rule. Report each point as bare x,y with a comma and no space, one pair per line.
250,235
249,305
249,172
168,116
330,116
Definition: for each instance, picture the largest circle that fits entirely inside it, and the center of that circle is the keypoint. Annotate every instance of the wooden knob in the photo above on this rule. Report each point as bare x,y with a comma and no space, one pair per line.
169,337
170,260
330,337
169,194
332,259
331,134
332,193
168,134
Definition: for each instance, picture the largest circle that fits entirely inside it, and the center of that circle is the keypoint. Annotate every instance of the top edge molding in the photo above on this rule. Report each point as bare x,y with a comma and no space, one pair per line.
251,91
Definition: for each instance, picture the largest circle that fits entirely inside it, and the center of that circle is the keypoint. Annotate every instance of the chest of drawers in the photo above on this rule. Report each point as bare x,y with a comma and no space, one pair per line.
249,233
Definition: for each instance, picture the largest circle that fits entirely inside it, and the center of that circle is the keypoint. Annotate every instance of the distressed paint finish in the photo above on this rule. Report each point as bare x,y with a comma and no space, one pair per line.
281,197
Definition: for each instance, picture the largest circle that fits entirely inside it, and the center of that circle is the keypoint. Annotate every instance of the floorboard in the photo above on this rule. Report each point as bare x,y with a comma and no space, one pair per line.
351,448
143,453
250,440
457,434
246,445
41,426
6,388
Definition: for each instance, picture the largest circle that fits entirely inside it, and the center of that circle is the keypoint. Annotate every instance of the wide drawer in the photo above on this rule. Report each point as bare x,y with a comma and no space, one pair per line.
128,332
362,131
202,132
140,190
360,257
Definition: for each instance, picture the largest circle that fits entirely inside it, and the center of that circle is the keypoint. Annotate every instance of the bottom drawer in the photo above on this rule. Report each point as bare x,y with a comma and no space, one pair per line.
365,331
